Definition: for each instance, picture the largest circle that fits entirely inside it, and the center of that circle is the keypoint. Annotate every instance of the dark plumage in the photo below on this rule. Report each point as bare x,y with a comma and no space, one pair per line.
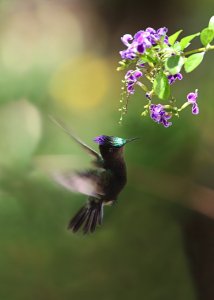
102,184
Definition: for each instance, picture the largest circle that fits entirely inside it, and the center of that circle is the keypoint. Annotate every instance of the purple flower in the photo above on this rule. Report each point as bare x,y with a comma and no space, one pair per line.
129,53
173,78
140,36
150,30
126,39
142,40
131,79
192,98
162,31
159,115
155,36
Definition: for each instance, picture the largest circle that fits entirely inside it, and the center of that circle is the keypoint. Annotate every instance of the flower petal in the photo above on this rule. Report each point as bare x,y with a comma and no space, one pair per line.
137,74
141,48
192,97
195,109
126,38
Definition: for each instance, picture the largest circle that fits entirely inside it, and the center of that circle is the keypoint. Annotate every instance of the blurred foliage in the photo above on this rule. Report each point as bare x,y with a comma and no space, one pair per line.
53,51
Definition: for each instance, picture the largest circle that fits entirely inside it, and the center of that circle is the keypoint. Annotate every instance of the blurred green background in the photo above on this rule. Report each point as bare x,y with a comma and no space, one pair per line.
157,243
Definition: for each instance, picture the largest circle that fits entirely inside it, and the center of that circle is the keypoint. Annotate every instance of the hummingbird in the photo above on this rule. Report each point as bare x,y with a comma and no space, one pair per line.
102,184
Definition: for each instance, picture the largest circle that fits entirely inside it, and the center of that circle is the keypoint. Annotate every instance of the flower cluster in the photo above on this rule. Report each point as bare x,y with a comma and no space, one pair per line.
141,41
131,78
155,62
159,115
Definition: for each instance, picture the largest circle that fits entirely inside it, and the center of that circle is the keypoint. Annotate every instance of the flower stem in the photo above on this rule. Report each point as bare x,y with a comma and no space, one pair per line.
143,86
184,106
202,49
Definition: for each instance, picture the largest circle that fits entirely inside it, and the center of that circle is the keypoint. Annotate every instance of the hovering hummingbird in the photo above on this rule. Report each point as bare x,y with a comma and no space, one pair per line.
102,184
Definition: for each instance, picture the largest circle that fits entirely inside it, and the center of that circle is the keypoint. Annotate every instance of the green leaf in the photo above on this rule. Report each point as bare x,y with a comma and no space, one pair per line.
146,59
193,62
211,23
185,42
173,37
177,47
174,64
207,36
161,86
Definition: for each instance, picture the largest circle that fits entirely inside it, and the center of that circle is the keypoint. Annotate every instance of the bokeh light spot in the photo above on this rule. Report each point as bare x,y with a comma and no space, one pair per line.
43,37
81,83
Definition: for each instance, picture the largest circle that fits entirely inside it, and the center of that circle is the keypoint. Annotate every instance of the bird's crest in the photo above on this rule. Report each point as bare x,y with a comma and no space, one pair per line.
110,141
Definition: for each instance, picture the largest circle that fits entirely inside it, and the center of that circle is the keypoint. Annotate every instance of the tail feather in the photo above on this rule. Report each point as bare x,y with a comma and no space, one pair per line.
88,217
100,216
80,221
88,222
94,221
77,217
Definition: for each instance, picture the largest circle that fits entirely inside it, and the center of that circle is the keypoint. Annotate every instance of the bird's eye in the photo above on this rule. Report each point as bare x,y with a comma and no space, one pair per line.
110,150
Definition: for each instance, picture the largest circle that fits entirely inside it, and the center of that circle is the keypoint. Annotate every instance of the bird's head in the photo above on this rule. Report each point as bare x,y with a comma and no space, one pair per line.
112,144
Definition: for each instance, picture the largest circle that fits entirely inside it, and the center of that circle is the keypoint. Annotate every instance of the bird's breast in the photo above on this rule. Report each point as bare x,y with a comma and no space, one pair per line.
114,187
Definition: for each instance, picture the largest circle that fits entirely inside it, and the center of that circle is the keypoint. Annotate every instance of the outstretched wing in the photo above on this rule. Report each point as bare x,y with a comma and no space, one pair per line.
91,182
89,150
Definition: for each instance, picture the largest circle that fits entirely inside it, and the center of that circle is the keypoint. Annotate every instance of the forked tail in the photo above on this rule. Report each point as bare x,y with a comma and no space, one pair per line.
89,216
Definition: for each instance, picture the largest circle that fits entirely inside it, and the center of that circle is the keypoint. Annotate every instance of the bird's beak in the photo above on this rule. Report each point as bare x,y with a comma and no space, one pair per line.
132,139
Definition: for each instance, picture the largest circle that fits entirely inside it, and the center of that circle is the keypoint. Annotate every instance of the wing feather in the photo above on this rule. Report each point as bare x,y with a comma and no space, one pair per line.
87,182
88,149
